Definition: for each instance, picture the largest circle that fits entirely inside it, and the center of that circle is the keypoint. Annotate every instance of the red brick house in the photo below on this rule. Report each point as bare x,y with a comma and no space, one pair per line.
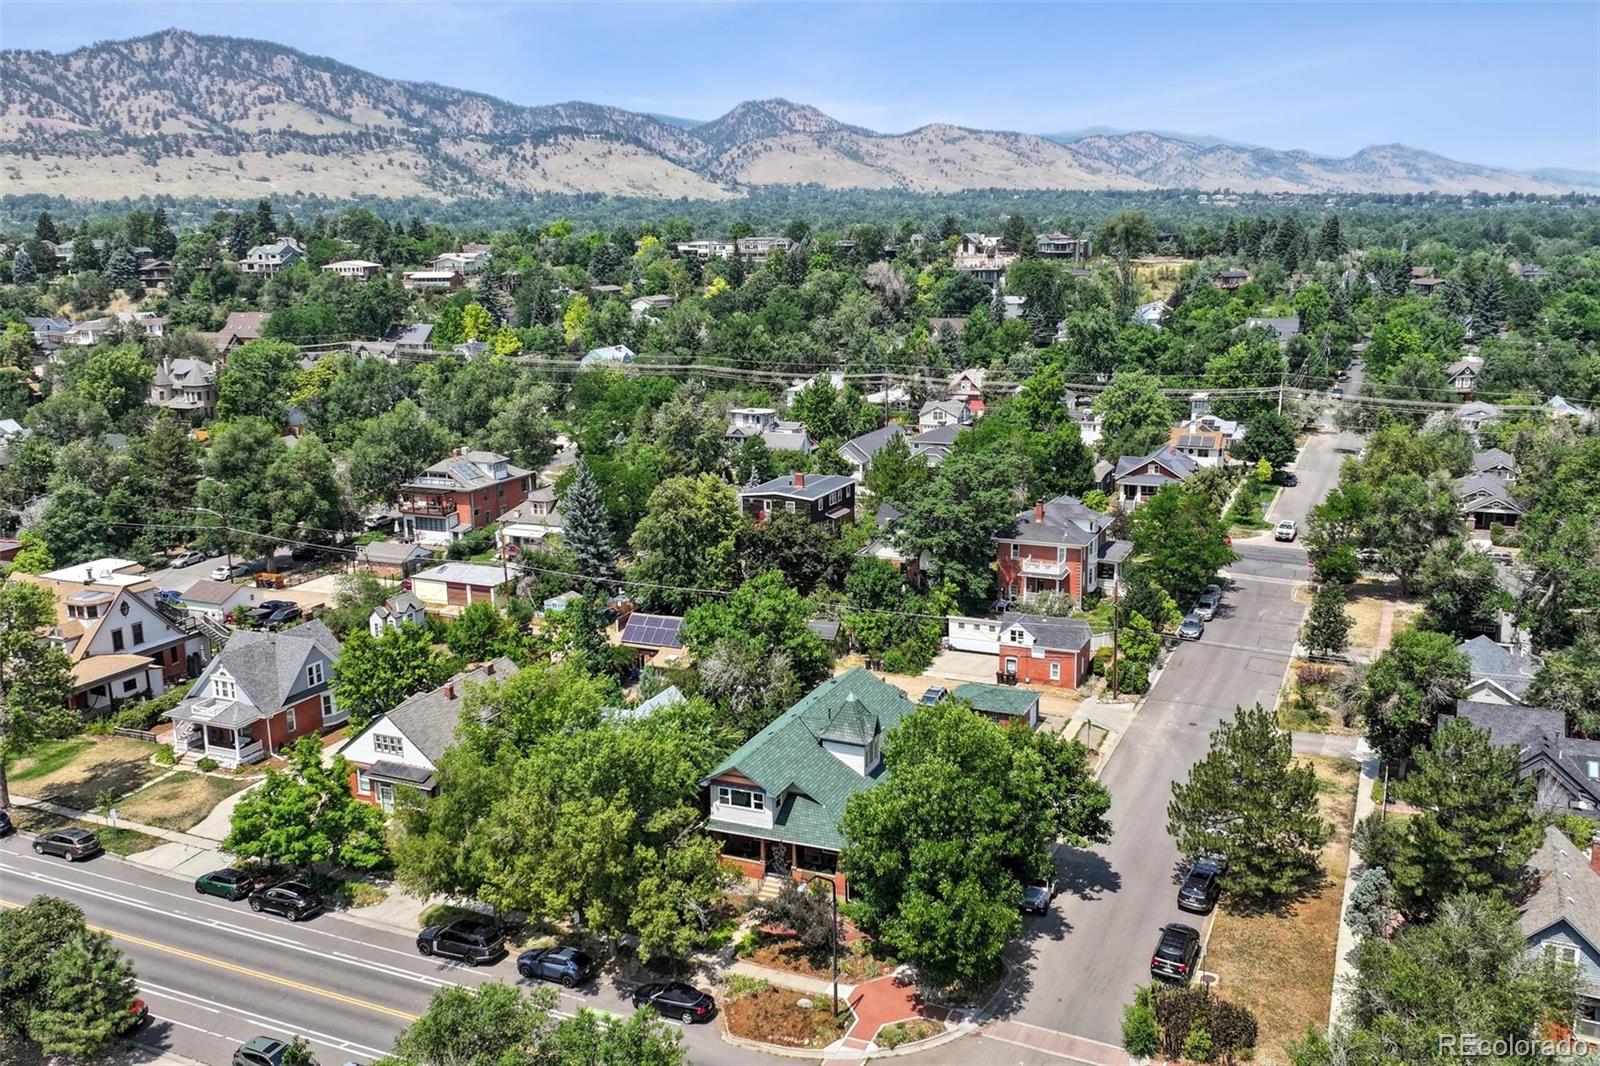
1057,547
455,496
264,690
1040,650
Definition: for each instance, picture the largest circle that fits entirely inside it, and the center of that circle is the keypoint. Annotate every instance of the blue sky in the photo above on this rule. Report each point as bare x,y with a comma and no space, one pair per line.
1512,84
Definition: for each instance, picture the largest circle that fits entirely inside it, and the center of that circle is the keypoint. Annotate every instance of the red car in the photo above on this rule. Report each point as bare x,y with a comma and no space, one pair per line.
137,1013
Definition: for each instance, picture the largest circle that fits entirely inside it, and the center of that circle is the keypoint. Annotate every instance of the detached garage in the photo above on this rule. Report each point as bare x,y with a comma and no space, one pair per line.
450,588
1041,650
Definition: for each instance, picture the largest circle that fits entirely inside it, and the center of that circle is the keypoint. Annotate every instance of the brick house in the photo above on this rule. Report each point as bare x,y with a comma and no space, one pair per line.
263,691
1041,650
820,497
1054,548
457,495
775,803
402,749
119,642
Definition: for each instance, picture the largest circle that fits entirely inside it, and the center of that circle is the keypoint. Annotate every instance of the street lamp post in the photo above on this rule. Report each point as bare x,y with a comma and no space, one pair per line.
833,893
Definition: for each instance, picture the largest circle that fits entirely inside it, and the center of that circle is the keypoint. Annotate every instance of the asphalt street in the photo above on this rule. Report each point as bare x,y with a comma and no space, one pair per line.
1080,963
215,973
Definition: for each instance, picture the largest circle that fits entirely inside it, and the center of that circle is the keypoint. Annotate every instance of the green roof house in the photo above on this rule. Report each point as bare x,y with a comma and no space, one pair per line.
1003,703
775,803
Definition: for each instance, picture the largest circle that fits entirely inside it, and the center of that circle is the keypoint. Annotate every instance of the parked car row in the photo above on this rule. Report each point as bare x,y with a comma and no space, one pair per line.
288,899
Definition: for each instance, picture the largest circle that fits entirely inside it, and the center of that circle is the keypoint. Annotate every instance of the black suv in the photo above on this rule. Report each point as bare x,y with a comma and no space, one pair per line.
6,828
467,939
70,844
1177,953
1200,889
674,999
569,966
291,899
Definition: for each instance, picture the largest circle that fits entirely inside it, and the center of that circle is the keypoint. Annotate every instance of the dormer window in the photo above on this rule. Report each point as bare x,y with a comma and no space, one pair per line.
223,688
314,674
741,797
874,751
1016,636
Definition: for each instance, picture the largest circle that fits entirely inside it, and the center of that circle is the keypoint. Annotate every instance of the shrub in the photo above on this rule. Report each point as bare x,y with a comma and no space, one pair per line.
1132,676
1197,1047
165,756
740,986
1102,662
144,714
1371,903
1314,674
207,764
1226,1028
892,1036
746,945
1140,1037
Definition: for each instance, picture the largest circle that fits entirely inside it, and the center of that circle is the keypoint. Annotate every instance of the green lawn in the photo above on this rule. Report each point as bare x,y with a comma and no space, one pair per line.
1249,507
47,758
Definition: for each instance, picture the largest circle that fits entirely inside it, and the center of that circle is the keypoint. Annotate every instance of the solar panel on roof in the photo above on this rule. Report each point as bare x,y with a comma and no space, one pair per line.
655,630
465,471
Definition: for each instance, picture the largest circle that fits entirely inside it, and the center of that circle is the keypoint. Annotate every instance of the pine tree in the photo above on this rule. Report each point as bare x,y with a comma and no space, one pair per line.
587,530
83,1005
84,255
239,236
122,269
1330,242
997,304
1250,801
163,241
1454,300
1489,304
45,228
262,225
1328,627
22,269
1230,239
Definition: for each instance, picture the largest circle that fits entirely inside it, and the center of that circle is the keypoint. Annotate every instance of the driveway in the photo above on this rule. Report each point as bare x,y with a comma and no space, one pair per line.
1077,966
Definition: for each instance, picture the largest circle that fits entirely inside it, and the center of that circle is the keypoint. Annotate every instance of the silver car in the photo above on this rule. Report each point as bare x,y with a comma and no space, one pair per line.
1192,627
1206,606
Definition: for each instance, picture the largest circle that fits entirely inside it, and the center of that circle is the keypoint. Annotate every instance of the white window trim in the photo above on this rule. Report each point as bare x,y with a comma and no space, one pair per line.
363,783
1055,669
288,719
327,705
1562,952
314,674
224,689
725,794
387,744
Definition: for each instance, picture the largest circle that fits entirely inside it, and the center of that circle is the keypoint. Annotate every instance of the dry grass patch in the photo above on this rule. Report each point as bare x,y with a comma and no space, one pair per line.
1280,964
179,801
104,764
1365,608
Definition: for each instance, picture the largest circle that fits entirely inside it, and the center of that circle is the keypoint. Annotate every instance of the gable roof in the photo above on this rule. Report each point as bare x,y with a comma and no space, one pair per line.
1510,669
815,488
269,668
862,449
787,758
1059,634
1569,890
1485,492
1492,459
210,592
1007,700
1179,465
392,551
400,603
429,719
1062,521
1539,735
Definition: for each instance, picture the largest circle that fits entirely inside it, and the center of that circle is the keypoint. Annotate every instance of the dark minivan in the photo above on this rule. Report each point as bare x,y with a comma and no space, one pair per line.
467,939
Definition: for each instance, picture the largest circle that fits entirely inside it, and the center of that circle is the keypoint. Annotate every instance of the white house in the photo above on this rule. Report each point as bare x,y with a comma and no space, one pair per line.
396,611
451,587
402,749
792,393
354,269
936,414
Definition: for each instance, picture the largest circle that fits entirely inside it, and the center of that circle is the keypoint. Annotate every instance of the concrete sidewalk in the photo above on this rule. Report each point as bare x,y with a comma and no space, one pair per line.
1343,967
816,986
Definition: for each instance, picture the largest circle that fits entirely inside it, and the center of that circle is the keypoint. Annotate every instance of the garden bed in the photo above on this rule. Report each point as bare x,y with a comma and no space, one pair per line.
1279,964
857,963
180,801
775,1015
893,1035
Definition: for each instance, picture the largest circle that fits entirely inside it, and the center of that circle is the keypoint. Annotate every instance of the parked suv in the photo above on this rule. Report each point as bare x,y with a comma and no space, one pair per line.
229,884
1177,953
291,899
1206,606
1036,896
567,965
69,844
260,1051
1286,530
467,939
1200,889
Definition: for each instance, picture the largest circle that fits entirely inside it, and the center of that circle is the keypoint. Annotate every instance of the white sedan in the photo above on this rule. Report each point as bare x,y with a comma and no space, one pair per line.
1286,530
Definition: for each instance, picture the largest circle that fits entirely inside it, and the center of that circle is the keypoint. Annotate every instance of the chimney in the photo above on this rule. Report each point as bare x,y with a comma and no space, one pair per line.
456,452
488,669
799,481
1038,511
450,691
1594,857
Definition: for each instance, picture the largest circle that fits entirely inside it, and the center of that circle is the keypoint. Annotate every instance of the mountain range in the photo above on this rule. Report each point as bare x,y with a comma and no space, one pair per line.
183,114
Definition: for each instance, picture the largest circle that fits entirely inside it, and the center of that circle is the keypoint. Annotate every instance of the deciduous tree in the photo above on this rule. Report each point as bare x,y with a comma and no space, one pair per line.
1416,679
374,674
685,541
304,814
1180,541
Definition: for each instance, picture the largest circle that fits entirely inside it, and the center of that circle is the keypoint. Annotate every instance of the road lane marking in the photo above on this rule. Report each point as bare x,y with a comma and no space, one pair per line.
246,971
193,1000
271,939
211,902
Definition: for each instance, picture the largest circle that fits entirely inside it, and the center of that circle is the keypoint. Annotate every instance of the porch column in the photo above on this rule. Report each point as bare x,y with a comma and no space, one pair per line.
237,758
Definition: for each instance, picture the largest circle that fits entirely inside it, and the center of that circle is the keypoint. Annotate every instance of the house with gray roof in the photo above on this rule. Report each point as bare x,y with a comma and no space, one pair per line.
1486,501
185,386
934,444
937,413
269,259
820,497
398,610
392,558
775,803
261,692
1036,649
1497,673
1496,461
1565,770
450,588
1287,329
1055,547
402,749
860,451
1560,917
1136,478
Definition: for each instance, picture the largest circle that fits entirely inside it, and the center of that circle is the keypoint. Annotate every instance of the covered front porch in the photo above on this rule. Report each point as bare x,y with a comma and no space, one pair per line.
228,747
757,859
